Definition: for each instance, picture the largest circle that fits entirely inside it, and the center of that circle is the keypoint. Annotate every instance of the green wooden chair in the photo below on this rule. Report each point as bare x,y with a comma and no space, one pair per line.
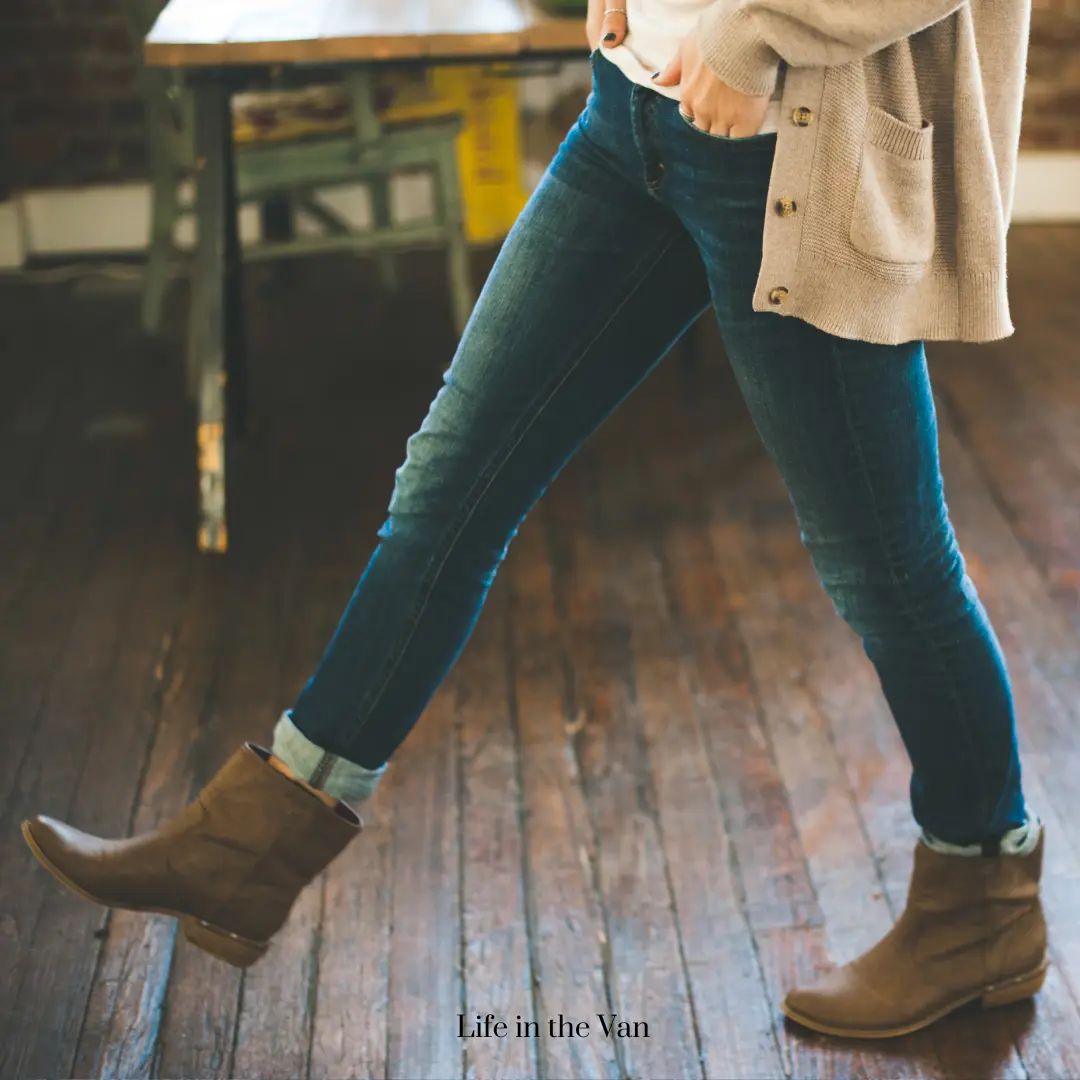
374,150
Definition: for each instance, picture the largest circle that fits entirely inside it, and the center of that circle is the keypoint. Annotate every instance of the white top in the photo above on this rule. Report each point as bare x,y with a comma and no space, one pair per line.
655,28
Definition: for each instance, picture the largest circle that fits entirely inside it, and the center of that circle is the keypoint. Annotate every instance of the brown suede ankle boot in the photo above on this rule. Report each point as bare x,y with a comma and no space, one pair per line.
229,866
973,928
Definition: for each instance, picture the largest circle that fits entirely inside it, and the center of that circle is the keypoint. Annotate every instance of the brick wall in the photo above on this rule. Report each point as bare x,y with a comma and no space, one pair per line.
1052,99
70,111
70,108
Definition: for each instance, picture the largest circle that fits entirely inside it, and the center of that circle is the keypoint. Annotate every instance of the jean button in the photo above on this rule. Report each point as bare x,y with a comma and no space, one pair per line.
776,296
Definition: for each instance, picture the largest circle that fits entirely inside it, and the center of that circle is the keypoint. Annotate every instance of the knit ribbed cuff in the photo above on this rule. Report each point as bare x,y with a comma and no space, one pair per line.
736,53
328,772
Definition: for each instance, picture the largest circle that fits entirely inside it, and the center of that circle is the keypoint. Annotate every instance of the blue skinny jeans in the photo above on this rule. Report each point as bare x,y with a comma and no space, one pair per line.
640,223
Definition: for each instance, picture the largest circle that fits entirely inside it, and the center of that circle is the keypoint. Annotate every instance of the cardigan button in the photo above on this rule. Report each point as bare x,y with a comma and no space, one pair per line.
786,207
803,116
776,296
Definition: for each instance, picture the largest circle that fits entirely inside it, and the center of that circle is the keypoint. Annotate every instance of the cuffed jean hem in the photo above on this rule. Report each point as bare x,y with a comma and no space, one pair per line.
328,772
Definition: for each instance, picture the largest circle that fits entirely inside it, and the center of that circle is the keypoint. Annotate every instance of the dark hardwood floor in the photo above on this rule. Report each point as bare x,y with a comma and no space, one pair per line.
661,782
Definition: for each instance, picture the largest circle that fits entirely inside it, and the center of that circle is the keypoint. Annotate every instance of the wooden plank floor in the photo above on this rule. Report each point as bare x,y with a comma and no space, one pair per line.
660,784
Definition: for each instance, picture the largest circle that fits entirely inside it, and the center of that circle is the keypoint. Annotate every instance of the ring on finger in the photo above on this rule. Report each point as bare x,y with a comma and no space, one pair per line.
614,11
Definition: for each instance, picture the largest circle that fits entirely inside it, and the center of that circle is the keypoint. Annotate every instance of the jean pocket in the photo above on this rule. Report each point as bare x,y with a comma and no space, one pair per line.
893,217
733,140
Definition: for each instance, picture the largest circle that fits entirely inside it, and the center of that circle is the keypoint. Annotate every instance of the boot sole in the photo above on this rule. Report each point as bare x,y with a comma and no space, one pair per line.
238,951
991,997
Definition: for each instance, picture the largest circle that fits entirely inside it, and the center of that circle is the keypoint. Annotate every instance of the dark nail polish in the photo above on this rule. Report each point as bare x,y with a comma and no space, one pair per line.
609,37
655,75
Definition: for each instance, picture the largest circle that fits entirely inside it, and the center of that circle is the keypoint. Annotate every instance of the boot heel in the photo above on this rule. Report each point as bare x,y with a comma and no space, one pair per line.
1024,986
235,950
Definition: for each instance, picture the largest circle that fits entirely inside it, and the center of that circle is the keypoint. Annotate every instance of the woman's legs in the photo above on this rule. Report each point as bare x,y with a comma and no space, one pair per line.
594,284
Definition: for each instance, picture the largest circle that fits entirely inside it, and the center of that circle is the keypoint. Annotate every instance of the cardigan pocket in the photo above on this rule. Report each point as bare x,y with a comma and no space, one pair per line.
893,216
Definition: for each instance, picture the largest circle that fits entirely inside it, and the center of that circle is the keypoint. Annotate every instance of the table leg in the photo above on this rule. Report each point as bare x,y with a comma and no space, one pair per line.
209,329
235,339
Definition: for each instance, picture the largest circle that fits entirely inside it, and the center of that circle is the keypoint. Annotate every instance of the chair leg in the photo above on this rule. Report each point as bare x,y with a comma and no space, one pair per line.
452,214
192,358
160,254
380,212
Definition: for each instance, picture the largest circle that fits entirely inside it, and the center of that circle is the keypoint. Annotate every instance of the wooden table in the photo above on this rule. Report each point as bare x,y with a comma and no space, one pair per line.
218,40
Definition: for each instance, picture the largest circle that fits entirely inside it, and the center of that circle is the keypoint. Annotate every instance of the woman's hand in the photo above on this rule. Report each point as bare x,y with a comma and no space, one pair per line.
708,103
605,28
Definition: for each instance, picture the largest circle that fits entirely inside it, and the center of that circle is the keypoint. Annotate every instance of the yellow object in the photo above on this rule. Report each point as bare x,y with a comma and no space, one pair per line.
489,146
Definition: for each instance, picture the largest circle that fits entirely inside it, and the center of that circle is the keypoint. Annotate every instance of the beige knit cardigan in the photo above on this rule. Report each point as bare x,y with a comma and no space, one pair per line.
895,165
